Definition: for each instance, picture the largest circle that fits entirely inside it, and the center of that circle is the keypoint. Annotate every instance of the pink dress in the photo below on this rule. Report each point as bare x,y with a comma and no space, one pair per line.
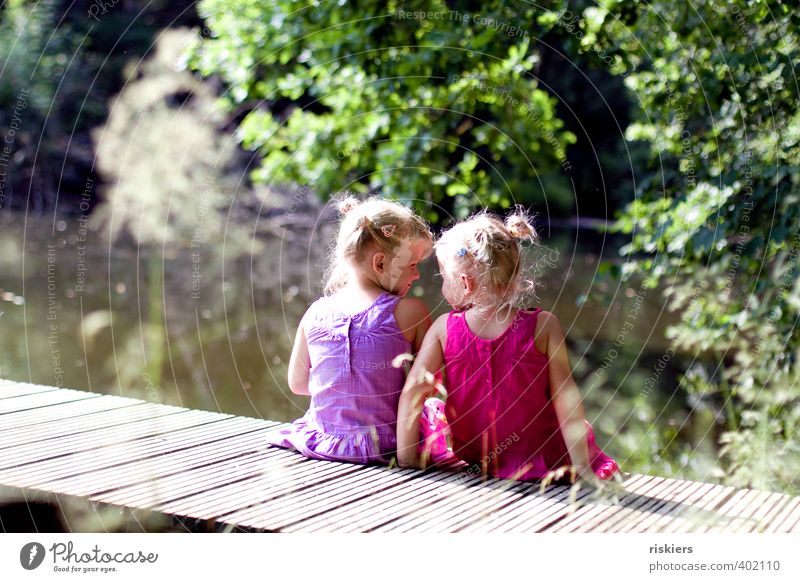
499,406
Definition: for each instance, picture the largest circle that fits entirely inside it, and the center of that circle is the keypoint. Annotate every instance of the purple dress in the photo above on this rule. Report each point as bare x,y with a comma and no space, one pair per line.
354,388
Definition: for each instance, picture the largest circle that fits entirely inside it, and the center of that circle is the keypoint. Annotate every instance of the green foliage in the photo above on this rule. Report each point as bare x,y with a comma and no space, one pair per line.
414,100
40,94
717,209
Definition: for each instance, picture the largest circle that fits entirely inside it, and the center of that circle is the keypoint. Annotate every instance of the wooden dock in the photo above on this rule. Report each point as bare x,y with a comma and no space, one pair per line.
216,472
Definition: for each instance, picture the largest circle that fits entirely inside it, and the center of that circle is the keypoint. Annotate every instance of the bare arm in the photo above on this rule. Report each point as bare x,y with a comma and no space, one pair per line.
414,320
565,395
299,364
416,390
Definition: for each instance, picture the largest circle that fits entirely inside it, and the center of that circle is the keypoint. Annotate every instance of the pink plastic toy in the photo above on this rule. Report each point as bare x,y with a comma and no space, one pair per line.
435,431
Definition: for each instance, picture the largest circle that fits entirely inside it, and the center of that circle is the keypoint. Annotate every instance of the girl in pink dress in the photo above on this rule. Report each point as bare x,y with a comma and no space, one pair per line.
513,407
347,342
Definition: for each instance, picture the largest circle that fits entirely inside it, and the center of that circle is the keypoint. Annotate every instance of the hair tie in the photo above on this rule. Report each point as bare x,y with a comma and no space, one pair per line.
388,230
461,252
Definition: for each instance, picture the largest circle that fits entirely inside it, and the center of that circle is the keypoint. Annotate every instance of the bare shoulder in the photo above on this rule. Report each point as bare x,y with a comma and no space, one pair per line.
440,325
438,331
410,311
547,320
548,328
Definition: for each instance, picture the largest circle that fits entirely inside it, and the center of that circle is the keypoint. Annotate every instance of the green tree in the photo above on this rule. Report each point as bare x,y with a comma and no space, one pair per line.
39,99
431,102
716,218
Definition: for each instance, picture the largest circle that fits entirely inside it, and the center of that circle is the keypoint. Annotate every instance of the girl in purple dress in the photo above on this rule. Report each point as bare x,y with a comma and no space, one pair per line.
349,340
512,404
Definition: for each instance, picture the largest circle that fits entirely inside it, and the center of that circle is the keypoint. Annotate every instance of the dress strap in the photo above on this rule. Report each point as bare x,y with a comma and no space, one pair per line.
455,333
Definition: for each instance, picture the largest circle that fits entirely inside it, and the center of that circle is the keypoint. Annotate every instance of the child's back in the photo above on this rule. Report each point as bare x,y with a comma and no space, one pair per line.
354,387
499,406
348,340
512,404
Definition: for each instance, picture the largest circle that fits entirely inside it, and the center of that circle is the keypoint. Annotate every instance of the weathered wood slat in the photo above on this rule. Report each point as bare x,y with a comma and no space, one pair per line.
788,521
779,507
168,421
590,518
683,503
18,404
12,389
652,501
368,508
192,482
303,505
66,412
306,495
125,452
49,435
254,486
443,513
669,502
730,513
195,482
585,503
216,447
219,468
700,513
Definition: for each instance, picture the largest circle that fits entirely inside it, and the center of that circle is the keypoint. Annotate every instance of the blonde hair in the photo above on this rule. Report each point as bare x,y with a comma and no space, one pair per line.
490,252
371,224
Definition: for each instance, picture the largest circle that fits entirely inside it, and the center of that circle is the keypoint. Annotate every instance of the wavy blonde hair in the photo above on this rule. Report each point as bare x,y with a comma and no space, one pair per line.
371,224
489,251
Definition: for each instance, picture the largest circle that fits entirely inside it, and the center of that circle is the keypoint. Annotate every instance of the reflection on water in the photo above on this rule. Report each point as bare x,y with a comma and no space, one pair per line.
210,327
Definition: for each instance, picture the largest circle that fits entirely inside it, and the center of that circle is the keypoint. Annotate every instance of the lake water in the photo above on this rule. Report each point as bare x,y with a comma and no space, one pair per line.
210,327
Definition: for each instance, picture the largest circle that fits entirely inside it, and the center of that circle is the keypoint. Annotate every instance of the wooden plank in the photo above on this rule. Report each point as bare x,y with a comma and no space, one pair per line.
169,422
147,418
310,500
206,465
683,503
586,498
767,506
171,489
670,502
659,501
303,505
787,521
530,506
218,446
593,508
14,389
633,507
728,513
481,500
124,452
64,412
188,482
745,519
699,514
45,436
286,468
590,515
42,399
793,522
407,489
255,486
449,504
